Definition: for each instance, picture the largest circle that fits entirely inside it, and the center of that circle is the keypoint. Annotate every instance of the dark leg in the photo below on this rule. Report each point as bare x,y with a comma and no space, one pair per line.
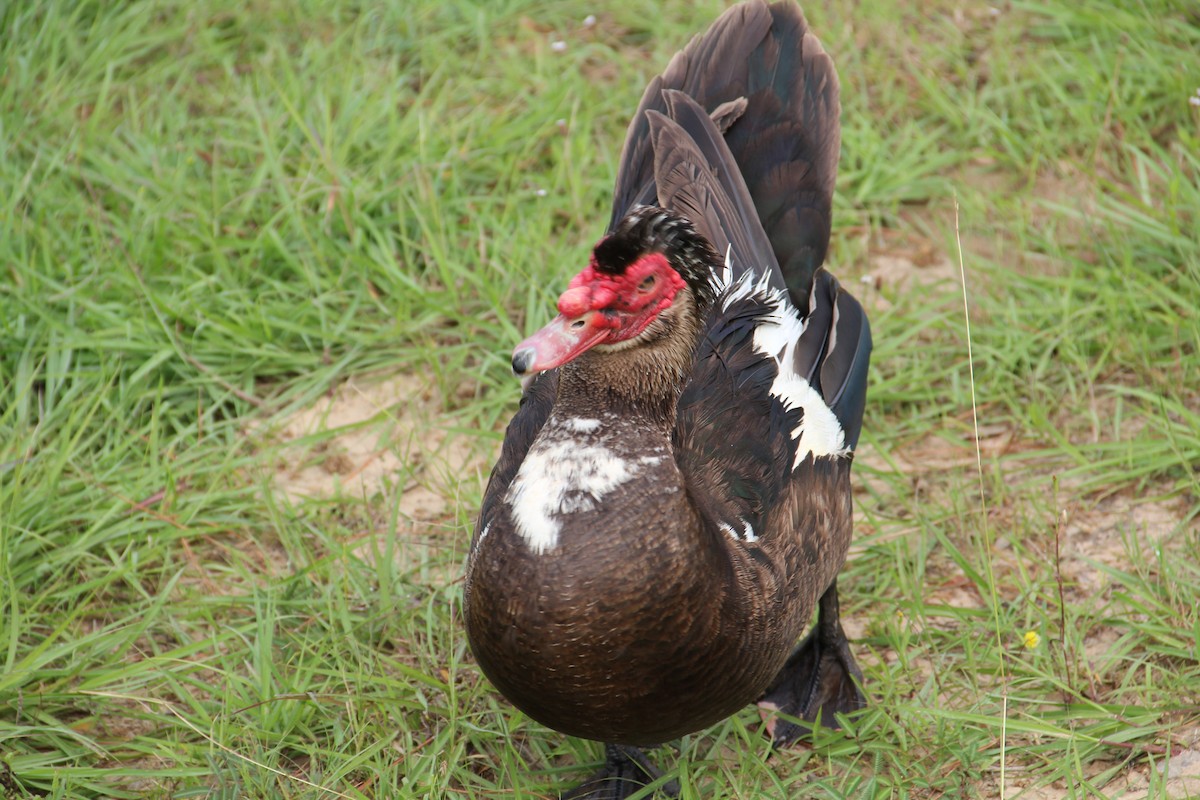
819,679
626,770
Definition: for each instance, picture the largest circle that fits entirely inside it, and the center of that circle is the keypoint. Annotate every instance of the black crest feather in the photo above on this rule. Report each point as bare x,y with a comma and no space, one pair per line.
614,254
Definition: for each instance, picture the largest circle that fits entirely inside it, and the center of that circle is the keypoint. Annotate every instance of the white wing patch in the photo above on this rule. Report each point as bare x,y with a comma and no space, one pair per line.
564,477
776,336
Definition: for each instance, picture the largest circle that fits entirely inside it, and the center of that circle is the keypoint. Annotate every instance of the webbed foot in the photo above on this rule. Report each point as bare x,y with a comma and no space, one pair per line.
819,680
626,771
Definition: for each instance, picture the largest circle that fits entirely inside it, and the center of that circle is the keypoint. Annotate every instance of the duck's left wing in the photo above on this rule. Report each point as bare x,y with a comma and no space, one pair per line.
769,391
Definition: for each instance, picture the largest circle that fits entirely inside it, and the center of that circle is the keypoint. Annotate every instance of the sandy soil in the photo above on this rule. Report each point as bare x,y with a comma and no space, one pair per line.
385,439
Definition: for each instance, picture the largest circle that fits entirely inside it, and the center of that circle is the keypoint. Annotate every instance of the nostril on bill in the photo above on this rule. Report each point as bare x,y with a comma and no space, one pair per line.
522,360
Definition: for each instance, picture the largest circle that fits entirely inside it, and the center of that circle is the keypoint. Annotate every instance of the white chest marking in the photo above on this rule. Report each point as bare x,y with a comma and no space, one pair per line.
583,424
564,477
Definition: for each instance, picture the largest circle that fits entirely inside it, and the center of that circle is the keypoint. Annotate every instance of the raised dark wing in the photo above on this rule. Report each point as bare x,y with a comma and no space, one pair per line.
697,177
773,93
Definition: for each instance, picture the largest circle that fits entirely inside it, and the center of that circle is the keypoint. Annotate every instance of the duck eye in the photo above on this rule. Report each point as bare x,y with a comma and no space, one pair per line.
647,284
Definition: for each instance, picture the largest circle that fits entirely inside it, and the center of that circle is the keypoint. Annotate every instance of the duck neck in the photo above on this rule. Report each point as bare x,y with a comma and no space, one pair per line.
620,386
641,380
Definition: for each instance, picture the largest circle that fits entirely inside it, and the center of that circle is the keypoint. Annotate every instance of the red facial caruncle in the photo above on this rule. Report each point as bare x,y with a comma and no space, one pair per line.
600,307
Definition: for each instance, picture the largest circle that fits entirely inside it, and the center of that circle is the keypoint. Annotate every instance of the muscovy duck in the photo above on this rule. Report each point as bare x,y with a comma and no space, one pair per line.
672,499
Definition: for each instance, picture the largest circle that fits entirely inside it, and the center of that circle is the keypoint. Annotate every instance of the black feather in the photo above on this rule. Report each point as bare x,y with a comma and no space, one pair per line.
734,213
613,254
785,136
732,439
817,325
844,371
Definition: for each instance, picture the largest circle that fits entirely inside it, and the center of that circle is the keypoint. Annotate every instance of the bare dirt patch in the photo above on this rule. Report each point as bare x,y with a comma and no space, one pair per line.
374,435
386,443
1105,531
1175,778
889,262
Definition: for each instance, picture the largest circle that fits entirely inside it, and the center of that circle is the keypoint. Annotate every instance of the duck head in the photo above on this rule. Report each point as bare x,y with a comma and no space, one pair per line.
649,275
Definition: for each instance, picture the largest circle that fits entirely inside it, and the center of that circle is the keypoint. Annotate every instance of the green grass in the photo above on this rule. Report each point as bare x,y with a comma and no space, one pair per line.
213,214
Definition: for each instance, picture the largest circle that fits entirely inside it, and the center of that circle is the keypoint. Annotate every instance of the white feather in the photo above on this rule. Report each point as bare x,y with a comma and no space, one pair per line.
745,287
583,424
747,534
564,477
483,535
721,281
776,337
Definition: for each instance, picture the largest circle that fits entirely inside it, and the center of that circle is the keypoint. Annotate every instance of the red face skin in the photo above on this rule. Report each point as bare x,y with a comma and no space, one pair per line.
599,308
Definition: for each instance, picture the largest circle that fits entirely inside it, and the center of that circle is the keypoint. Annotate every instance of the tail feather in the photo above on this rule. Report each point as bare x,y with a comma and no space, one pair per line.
787,144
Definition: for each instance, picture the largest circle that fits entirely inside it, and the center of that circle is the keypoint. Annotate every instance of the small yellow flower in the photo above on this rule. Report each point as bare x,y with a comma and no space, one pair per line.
1032,639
